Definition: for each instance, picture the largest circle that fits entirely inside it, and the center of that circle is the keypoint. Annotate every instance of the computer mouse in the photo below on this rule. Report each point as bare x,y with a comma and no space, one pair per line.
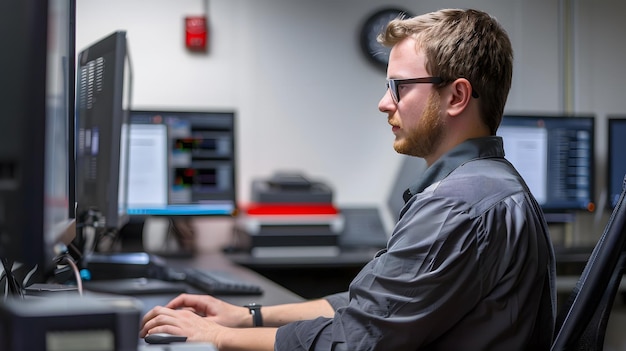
164,338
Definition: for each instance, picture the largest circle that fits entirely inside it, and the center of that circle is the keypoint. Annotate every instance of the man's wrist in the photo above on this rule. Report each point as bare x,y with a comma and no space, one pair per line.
255,311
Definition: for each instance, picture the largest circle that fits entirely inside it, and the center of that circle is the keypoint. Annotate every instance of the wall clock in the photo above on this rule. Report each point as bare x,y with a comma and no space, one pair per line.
374,25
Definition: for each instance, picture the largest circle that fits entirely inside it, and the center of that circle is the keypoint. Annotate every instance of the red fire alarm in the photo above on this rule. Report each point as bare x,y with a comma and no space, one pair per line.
196,33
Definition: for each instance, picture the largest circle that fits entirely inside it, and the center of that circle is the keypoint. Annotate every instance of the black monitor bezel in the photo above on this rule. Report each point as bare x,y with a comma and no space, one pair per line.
611,120
109,208
25,72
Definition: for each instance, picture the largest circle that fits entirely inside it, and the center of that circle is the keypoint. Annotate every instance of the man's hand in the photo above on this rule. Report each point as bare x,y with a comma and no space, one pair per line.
213,309
180,322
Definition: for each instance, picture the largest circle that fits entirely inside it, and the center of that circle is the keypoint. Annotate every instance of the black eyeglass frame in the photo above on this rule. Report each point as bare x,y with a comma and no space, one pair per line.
394,84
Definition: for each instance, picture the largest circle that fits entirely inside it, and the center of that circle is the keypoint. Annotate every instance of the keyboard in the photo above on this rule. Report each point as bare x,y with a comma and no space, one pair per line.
214,282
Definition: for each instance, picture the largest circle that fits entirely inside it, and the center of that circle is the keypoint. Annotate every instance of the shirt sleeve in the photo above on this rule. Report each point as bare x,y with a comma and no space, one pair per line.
338,300
397,301
303,335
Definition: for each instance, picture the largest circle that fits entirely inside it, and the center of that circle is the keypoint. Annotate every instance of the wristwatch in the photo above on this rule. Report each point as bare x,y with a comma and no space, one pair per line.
255,311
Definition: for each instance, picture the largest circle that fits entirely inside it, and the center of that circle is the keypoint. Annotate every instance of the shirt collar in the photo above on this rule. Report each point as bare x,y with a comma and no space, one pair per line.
486,147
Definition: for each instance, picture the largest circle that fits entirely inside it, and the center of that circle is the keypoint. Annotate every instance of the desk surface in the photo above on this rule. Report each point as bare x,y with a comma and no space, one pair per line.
347,258
272,293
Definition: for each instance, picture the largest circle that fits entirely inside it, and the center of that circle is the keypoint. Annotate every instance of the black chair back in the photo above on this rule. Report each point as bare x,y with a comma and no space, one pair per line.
582,324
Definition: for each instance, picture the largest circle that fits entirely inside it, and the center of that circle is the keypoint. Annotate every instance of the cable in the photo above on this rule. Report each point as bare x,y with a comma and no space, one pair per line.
29,275
13,286
6,286
70,260
75,252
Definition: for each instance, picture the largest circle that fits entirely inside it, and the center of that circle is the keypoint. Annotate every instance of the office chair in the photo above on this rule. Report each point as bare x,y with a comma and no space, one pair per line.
582,323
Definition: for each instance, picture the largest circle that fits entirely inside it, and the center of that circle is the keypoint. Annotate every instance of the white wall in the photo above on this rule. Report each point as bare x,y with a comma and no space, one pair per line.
600,68
305,96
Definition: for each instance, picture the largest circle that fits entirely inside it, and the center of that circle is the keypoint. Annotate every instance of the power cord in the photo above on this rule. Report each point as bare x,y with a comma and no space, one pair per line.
13,286
67,258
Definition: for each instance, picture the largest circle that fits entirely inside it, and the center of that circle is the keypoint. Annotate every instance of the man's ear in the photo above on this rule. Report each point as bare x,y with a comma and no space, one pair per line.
460,95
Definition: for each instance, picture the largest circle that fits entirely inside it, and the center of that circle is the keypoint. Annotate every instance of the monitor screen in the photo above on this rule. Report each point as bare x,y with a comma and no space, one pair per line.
617,157
103,91
555,156
182,163
36,110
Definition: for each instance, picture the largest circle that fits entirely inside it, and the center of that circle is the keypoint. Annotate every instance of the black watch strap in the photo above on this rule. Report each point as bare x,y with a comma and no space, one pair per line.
255,311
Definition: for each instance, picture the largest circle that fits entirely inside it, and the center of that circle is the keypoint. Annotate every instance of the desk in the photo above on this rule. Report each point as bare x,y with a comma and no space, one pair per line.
68,315
309,277
273,293
315,277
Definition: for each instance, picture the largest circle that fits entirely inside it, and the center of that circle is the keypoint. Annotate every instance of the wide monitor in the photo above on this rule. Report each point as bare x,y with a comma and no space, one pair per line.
555,156
182,163
617,157
103,98
36,109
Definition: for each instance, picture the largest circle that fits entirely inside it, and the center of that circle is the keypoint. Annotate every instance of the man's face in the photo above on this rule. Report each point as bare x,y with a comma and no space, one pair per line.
415,118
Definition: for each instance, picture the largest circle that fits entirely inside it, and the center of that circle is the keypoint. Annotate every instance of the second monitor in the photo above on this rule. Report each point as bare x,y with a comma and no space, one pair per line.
181,163
555,155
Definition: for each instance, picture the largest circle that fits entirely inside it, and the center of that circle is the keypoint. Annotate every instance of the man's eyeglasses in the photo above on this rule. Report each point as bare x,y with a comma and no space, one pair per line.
394,84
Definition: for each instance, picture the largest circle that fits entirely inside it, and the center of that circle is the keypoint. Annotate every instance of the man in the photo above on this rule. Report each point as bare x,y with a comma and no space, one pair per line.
469,265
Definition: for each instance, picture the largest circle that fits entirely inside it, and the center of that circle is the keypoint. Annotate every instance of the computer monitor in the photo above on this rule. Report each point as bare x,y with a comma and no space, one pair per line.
182,163
36,107
617,157
103,98
555,155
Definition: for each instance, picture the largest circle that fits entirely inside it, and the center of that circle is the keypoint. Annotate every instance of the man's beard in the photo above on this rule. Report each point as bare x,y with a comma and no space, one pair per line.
422,140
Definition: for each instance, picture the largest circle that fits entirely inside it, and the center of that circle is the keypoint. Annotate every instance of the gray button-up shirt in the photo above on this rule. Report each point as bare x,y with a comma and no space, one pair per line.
469,266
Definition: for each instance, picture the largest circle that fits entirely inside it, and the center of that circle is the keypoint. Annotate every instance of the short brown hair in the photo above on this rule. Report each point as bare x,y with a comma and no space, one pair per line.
467,44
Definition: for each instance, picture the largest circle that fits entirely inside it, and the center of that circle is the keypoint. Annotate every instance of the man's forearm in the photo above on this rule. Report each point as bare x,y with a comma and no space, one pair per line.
279,315
238,339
